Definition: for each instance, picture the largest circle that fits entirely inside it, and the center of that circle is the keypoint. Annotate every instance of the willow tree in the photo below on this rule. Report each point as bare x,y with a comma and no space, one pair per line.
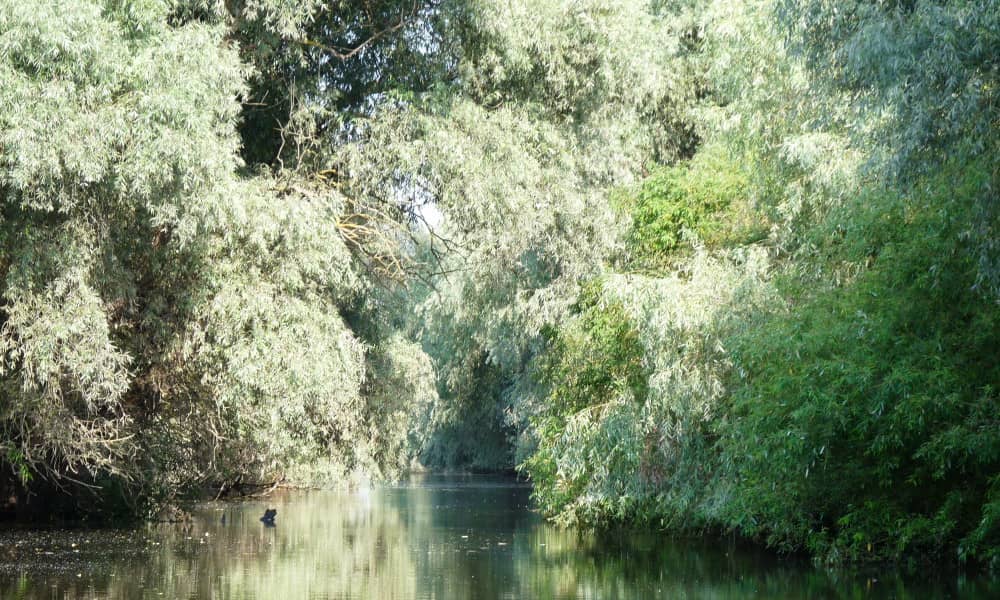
547,106
115,128
507,121
164,323
817,383
923,76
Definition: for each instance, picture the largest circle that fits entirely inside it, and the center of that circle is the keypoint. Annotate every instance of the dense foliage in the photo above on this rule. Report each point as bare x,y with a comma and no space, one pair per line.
830,385
698,264
166,324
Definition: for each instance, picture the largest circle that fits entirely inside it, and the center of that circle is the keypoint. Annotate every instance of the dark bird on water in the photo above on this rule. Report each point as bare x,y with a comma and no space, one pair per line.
269,515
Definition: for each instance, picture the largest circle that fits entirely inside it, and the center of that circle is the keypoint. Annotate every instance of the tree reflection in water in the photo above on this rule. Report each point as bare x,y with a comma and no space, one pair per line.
438,537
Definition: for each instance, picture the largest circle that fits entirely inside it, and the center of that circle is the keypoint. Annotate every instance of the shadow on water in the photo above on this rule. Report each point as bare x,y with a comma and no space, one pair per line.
436,537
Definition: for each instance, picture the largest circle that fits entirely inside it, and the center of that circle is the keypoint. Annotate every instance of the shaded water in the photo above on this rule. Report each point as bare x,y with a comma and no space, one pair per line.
436,537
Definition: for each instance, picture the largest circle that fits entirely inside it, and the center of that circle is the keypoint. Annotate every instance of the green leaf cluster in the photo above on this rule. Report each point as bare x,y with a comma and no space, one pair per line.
704,201
862,419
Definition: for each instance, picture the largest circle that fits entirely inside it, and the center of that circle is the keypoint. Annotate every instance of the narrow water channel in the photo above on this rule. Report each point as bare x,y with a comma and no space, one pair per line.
434,537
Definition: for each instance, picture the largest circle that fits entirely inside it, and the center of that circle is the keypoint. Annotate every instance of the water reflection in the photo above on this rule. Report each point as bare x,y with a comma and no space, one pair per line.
438,537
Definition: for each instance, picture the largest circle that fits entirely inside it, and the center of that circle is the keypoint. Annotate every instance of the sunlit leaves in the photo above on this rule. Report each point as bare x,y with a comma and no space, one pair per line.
155,305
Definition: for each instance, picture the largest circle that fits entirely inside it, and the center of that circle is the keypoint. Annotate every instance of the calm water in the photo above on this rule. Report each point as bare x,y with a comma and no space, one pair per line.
436,537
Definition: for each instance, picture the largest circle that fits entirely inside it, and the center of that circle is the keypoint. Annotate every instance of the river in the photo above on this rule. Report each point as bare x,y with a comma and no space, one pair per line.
437,537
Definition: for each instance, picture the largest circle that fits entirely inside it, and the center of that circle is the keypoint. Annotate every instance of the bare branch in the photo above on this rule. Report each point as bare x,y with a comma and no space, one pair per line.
347,53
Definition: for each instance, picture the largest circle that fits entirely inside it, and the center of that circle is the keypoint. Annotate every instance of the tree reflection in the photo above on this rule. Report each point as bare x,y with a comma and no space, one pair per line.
444,537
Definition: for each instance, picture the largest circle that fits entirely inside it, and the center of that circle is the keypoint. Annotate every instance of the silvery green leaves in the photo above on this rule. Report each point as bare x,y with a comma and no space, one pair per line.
154,303
923,81
98,120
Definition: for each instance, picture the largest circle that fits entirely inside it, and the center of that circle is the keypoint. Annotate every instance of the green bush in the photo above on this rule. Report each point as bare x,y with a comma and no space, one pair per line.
705,198
863,423
594,362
